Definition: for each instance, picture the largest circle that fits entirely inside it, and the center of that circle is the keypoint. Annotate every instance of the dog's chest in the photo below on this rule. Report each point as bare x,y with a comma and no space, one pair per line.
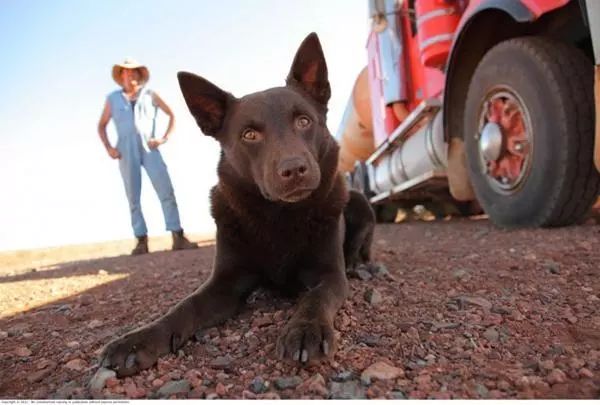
284,251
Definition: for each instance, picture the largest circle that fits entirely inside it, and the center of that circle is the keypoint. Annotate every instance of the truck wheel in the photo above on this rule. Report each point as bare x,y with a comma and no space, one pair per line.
529,133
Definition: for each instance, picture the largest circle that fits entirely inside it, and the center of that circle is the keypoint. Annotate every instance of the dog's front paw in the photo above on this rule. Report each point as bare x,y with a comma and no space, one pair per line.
306,341
133,352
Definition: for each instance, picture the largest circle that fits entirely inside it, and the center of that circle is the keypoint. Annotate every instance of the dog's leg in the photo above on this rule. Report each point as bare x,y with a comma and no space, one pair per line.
309,334
360,224
215,301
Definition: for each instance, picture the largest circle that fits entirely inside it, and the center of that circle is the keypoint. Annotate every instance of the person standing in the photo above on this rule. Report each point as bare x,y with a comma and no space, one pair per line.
133,109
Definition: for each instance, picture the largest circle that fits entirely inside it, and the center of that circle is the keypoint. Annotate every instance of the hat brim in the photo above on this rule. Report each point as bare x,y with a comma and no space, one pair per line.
116,73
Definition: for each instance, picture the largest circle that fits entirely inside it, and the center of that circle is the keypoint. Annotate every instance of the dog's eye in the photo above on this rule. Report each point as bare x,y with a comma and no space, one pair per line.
250,135
303,121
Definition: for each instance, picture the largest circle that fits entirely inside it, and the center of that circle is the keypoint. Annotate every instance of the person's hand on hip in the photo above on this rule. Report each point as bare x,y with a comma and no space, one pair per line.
114,153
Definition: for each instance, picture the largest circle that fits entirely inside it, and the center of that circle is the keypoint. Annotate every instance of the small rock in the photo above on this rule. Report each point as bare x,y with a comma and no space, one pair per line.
378,269
500,310
315,384
98,381
27,335
369,340
222,376
546,365
174,375
436,326
112,382
517,315
373,297
287,382
365,380
63,309
212,395
94,323
17,329
3,334
73,344
576,363
585,373
413,333
430,358
45,363
258,385
503,385
132,391
67,390
248,395
481,390
102,272
363,275
269,395
220,390
551,266
86,299
556,376
39,375
479,301
222,363
346,390
343,376
424,382
460,274
381,371
174,387
397,394
22,351
262,321
76,365
157,382
491,334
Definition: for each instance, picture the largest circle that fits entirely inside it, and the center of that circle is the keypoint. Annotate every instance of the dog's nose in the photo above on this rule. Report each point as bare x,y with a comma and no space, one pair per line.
292,168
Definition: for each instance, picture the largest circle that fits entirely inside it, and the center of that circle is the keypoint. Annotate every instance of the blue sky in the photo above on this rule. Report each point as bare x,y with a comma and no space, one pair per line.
59,186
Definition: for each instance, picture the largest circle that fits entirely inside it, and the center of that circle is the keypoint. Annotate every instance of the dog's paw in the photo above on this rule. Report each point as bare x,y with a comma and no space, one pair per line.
131,353
365,271
306,341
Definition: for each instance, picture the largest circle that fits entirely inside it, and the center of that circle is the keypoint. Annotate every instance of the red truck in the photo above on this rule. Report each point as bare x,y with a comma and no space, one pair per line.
489,103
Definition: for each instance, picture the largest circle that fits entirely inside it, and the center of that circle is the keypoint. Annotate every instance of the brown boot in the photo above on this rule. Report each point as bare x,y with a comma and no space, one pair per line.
141,247
180,242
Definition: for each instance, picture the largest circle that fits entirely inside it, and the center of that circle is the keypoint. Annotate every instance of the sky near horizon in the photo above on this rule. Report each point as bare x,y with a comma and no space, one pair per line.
59,185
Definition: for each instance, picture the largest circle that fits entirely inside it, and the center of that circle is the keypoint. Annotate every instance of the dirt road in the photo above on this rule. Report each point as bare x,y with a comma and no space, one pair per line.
465,311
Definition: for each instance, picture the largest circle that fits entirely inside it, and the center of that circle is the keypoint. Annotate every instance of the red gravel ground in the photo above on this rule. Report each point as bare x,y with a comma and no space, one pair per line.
466,311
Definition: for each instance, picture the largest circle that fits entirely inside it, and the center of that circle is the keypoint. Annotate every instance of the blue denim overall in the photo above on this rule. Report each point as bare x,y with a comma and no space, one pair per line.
135,126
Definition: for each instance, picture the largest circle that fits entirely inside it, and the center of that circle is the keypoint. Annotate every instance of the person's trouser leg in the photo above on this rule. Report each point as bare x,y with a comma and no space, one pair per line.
159,176
132,179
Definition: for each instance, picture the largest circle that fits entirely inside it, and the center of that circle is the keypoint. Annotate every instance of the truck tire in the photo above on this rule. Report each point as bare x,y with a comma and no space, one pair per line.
529,133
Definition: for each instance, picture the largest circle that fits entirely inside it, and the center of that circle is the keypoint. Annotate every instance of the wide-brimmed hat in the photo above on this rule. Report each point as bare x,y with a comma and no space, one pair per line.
130,63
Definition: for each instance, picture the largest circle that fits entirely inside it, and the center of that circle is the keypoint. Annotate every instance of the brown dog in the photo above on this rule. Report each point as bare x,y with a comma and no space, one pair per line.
284,216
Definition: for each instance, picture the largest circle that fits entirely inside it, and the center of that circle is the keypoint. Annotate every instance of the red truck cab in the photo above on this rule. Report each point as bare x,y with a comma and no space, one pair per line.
480,102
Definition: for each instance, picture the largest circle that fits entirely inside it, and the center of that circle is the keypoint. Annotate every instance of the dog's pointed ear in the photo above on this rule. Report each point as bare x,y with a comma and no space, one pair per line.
309,70
207,102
